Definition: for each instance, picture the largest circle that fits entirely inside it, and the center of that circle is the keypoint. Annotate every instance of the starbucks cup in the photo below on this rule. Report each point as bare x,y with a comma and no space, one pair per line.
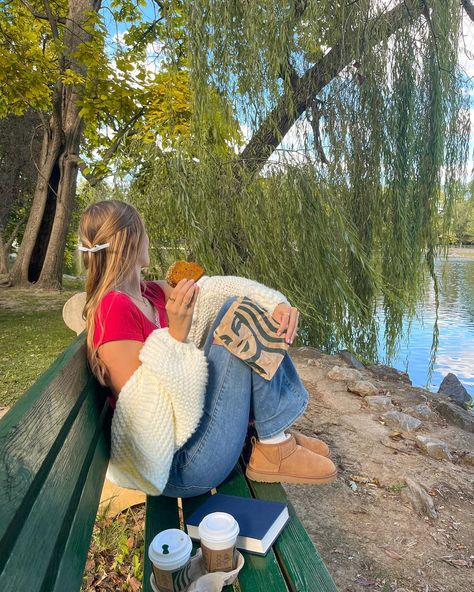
218,533
170,556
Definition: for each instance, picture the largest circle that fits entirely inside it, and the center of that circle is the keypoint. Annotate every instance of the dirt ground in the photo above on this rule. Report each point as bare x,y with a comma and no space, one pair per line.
363,524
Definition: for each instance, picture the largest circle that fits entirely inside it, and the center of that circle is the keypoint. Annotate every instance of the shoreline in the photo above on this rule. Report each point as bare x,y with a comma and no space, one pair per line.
459,252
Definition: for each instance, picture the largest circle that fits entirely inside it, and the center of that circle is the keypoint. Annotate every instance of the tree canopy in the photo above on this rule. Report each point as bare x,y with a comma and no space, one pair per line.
349,213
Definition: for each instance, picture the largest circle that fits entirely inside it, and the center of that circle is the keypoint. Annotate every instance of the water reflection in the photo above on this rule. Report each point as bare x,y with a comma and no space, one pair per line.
455,351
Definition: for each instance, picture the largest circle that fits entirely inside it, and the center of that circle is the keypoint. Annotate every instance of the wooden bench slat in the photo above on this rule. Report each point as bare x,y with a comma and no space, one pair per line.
74,552
32,432
39,529
68,374
161,513
296,552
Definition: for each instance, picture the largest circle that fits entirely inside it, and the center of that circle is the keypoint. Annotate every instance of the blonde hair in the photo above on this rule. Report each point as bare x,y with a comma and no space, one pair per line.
119,224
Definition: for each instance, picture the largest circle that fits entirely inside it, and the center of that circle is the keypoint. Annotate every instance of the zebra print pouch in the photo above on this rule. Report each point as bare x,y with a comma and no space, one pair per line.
250,332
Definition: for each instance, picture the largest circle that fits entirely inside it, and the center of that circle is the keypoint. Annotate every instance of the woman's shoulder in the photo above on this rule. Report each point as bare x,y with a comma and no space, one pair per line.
114,301
117,318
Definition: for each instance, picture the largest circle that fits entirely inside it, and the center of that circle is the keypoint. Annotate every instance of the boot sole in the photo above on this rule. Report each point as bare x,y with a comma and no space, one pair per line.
277,478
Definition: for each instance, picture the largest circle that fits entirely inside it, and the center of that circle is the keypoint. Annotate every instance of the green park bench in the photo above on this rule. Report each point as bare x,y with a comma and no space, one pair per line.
55,444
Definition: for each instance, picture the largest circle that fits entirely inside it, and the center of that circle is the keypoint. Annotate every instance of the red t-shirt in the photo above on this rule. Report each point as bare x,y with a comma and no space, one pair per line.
118,317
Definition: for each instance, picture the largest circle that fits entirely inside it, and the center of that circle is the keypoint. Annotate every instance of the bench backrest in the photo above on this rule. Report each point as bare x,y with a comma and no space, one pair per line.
54,451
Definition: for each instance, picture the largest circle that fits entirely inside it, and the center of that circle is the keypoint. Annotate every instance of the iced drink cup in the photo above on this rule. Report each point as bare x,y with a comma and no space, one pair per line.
170,556
218,533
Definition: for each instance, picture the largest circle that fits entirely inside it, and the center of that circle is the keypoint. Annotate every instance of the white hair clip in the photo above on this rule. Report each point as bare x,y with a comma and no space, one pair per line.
94,248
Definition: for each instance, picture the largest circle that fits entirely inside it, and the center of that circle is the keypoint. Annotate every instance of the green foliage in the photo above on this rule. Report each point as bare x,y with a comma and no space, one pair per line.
81,202
463,216
117,91
337,239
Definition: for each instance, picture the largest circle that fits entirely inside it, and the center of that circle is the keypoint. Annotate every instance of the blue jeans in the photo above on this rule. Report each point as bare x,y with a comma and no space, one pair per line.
234,393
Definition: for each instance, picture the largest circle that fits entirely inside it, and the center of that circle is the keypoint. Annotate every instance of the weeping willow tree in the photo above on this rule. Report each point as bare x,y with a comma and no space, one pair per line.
355,119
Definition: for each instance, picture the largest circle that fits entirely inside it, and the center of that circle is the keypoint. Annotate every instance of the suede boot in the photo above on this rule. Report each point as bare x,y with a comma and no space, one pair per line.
288,462
313,444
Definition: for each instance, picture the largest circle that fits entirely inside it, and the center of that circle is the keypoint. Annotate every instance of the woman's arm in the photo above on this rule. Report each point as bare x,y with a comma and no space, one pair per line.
159,406
121,359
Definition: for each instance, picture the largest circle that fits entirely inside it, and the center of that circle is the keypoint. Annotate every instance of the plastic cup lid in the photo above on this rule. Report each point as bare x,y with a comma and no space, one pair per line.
218,526
169,547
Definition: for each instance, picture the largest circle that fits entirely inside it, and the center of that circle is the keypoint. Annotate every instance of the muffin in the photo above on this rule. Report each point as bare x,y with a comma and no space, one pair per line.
184,269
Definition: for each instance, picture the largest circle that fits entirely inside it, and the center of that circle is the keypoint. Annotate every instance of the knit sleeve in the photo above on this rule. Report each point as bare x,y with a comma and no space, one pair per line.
183,373
158,409
233,285
215,290
142,444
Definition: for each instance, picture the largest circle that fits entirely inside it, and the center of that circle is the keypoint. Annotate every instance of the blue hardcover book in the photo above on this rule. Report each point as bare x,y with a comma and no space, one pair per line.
260,521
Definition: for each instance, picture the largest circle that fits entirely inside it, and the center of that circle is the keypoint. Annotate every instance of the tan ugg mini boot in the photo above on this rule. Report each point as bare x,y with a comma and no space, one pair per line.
288,462
313,444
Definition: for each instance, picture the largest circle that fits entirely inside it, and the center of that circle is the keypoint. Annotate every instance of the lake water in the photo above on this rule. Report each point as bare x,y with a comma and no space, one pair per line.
455,351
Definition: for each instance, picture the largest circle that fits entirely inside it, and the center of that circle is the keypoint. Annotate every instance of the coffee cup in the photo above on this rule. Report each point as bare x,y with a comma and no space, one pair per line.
218,534
170,556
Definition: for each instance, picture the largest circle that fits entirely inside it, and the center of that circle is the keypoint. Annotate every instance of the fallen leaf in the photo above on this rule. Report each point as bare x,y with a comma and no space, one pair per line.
393,554
459,562
359,479
396,435
134,583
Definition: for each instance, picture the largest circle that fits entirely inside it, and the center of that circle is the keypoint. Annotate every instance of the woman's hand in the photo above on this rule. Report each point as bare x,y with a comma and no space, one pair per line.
288,317
180,308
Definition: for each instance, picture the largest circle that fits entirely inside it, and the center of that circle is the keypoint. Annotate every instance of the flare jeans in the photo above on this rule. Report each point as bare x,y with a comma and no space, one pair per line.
234,394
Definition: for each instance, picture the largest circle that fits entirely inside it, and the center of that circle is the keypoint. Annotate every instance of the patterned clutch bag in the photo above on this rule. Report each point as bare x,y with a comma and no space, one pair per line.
250,332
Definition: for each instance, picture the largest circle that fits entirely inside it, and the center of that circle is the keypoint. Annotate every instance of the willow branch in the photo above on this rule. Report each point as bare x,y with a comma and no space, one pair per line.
126,130
298,98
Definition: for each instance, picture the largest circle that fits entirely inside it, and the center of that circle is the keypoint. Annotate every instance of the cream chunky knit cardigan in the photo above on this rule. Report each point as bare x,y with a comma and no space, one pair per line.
160,405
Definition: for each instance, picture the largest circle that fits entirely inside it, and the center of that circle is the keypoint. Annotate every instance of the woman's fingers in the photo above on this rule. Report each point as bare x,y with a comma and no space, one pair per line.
290,323
183,293
283,323
295,325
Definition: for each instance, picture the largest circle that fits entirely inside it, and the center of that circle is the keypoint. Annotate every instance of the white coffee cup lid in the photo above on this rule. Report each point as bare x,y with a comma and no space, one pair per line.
170,548
218,527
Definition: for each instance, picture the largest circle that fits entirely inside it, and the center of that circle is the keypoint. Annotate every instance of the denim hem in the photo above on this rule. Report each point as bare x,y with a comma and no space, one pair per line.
181,491
284,427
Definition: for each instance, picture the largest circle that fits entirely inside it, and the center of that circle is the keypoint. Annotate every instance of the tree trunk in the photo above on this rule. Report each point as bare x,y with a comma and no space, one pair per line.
29,261
3,255
67,164
40,257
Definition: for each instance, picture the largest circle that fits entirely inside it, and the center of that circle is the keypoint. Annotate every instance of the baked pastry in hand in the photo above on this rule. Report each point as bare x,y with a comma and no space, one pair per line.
184,269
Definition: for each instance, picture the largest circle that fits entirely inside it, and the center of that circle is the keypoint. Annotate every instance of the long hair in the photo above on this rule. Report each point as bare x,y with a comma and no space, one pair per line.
119,224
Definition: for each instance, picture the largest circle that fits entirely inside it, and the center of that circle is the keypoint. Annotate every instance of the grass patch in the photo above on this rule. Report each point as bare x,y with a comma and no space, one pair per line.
32,335
396,487
115,557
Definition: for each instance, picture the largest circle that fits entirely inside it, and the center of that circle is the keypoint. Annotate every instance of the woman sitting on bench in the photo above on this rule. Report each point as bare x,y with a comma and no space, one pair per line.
182,403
